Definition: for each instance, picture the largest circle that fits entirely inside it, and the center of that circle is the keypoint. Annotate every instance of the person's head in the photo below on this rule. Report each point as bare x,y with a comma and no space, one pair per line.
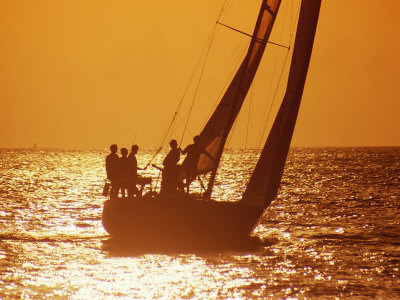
135,149
113,148
196,139
124,152
173,144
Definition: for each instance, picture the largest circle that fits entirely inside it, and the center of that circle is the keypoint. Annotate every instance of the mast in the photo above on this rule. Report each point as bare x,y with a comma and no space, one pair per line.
216,131
264,183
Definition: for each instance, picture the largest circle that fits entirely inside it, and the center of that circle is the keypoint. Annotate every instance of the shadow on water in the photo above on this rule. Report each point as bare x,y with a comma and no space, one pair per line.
125,248
59,239
332,236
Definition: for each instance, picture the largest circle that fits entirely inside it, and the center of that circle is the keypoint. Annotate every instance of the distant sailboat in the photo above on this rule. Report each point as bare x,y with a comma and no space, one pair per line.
175,218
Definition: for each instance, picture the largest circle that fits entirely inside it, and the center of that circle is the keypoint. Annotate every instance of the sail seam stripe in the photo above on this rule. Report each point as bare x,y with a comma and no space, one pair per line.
268,9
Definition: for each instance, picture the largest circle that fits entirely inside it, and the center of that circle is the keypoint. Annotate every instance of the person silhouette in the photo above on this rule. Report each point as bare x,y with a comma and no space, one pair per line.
133,175
112,170
193,152
170,172
124,173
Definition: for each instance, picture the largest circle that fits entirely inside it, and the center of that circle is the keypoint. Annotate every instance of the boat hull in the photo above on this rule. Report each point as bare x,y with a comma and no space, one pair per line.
175,220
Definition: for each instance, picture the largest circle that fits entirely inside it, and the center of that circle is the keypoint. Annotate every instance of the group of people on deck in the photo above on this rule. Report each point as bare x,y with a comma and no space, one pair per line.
122,171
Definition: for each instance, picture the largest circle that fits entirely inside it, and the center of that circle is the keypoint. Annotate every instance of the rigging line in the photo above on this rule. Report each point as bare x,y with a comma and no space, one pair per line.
134,138
283,27
293,24
236,119
229,138
266,109
207,46
220,70
163,140
286,57
206,50
180,102
171,131
198,83
224,88
249,115
230,135
273,100
183,123
151,160
201,183
266,116
225,9
191,78
168,129
157,180
190,81
280,77
193,74
249,35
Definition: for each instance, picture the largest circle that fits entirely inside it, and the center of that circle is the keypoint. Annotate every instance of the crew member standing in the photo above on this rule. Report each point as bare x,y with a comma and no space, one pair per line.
112,169
193,152
124,173
133,175
170,172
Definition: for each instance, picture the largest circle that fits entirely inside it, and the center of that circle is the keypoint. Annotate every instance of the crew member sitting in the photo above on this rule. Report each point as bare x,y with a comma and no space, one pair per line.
112,166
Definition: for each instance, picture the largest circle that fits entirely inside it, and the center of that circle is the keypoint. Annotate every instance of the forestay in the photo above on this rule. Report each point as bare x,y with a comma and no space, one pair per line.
214,134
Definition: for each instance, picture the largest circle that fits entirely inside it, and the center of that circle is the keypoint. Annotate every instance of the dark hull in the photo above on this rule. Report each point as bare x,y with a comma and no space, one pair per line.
176,220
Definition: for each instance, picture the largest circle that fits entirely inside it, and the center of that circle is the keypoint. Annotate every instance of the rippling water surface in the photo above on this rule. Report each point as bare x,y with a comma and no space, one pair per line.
332,232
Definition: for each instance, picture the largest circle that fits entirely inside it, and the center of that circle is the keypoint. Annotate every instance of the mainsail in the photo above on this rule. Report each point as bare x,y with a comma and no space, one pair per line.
214,134
265,180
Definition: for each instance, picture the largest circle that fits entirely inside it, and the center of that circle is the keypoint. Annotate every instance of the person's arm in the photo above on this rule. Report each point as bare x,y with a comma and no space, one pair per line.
185,150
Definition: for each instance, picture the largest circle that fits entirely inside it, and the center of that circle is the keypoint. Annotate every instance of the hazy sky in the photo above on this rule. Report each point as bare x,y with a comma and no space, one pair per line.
81,74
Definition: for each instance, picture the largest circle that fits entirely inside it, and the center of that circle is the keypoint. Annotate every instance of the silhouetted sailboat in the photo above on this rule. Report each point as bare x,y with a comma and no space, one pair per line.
181,217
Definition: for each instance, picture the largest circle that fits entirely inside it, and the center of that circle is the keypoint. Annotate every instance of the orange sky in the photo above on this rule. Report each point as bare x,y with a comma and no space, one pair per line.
81,74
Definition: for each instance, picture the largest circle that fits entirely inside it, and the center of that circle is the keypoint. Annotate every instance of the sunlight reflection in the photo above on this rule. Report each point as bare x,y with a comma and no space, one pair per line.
146,276
52,239
339,230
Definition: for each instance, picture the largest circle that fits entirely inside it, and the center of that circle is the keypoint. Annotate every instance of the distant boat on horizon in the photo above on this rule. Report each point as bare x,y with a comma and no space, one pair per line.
175,218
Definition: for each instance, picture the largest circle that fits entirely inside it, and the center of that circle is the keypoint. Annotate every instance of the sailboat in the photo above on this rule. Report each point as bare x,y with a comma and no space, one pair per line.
171,219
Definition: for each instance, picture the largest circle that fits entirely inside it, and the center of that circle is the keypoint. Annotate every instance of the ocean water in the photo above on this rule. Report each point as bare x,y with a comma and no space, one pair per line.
333,232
